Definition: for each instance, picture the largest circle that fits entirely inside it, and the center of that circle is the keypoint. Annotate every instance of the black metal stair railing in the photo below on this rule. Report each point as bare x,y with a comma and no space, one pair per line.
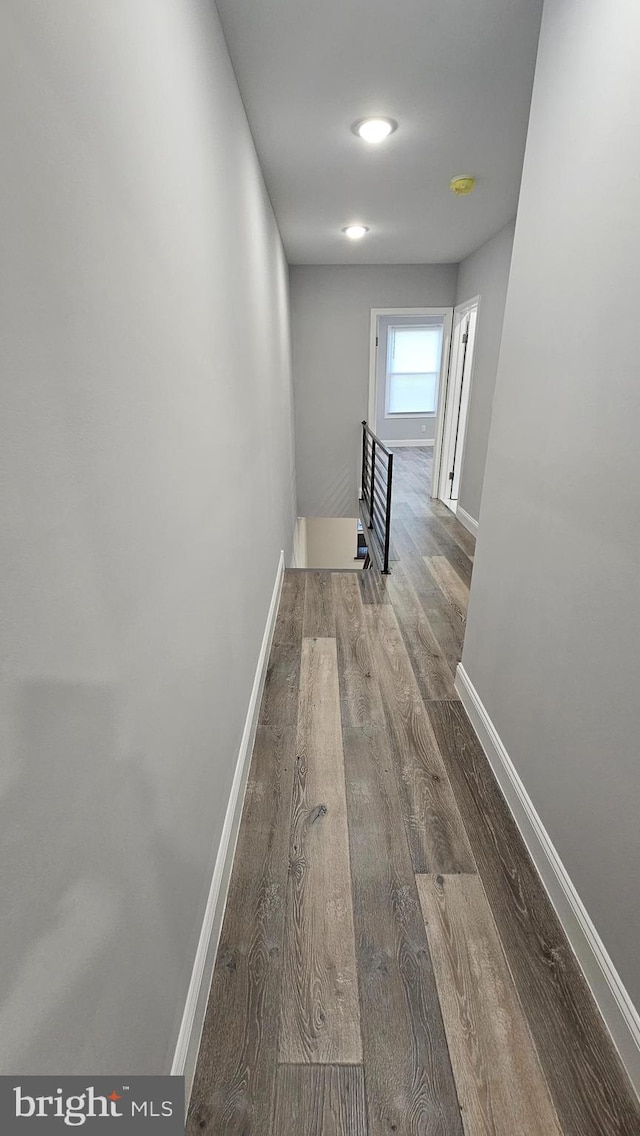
377,475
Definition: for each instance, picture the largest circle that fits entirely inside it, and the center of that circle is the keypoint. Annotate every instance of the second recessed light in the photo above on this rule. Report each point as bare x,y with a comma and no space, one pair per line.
355,232
374,129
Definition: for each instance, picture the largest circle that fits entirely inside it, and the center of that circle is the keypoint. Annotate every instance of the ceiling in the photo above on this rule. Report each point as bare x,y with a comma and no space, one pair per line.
455,74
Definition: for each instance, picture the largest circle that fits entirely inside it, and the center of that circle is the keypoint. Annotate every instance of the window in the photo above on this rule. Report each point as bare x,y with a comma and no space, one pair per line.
413,367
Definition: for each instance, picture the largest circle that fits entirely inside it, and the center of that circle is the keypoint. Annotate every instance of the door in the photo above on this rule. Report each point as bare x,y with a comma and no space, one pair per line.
457,402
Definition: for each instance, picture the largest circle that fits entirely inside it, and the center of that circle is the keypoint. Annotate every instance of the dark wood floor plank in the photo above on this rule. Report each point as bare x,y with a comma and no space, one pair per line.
590,1090
288,628
453,588
372,586
430,665
457,532
402,511
409,1082
434,828
500,1084
443,621
434,670
320,1100
402,537
413,478
448,633
431,535
432,539
235,1075
320,1019
414,536
318,606
432,507
438,509
359,694
280,697
454,553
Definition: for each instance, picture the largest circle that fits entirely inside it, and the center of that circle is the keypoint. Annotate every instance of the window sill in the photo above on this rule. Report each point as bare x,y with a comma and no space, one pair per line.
417,414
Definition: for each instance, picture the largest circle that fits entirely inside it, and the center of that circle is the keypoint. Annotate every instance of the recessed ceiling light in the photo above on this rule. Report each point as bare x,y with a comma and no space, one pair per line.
374,129
355,231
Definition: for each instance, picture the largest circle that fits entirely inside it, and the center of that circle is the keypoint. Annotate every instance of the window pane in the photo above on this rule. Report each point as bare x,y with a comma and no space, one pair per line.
415,349
412,394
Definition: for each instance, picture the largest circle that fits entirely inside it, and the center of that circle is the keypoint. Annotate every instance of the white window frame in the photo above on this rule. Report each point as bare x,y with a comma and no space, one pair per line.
397,414
446,313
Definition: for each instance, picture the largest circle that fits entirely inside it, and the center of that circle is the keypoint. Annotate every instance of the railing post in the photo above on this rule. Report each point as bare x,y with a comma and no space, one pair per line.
373,478
363,483
387,527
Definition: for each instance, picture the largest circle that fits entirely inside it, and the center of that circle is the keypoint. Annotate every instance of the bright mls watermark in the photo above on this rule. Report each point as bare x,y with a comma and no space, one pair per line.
119,1104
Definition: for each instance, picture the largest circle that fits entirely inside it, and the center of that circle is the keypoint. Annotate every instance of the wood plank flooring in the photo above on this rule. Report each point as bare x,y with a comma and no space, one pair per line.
389,961
495,1064
320,1019
320,1100
410,1086
237,1063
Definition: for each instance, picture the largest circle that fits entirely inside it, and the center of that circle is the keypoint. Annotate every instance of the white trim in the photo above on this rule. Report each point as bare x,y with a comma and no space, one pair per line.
447,439
445,312
465,518
400,415
467,305
442,395
190,1032
620,1015
391,442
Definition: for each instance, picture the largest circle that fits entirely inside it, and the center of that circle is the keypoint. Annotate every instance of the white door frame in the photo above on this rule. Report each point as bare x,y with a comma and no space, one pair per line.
447,317
459,312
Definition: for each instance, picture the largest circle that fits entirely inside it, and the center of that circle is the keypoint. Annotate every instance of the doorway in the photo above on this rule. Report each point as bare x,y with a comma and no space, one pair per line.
408,359
453,416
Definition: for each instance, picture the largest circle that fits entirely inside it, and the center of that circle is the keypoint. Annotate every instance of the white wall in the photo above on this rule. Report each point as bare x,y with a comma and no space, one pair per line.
331,317
553,635
148,489
486,274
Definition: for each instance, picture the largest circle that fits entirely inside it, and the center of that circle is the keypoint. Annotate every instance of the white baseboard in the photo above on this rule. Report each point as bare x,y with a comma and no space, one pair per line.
190,1033
467,520
620,1015
398,442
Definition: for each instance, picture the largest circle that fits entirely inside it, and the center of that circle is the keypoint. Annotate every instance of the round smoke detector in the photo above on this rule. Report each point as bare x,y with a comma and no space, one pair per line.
462,185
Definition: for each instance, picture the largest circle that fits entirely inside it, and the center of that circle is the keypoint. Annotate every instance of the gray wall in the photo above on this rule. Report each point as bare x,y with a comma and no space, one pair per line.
148,489
553,639
330,317
485,273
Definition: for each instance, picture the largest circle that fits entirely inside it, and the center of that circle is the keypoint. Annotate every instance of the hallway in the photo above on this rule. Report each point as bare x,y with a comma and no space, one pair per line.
389,961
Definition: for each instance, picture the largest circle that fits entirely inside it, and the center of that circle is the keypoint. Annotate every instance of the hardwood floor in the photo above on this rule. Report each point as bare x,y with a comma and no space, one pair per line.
320,1019
389,961
500,1082
320,1100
